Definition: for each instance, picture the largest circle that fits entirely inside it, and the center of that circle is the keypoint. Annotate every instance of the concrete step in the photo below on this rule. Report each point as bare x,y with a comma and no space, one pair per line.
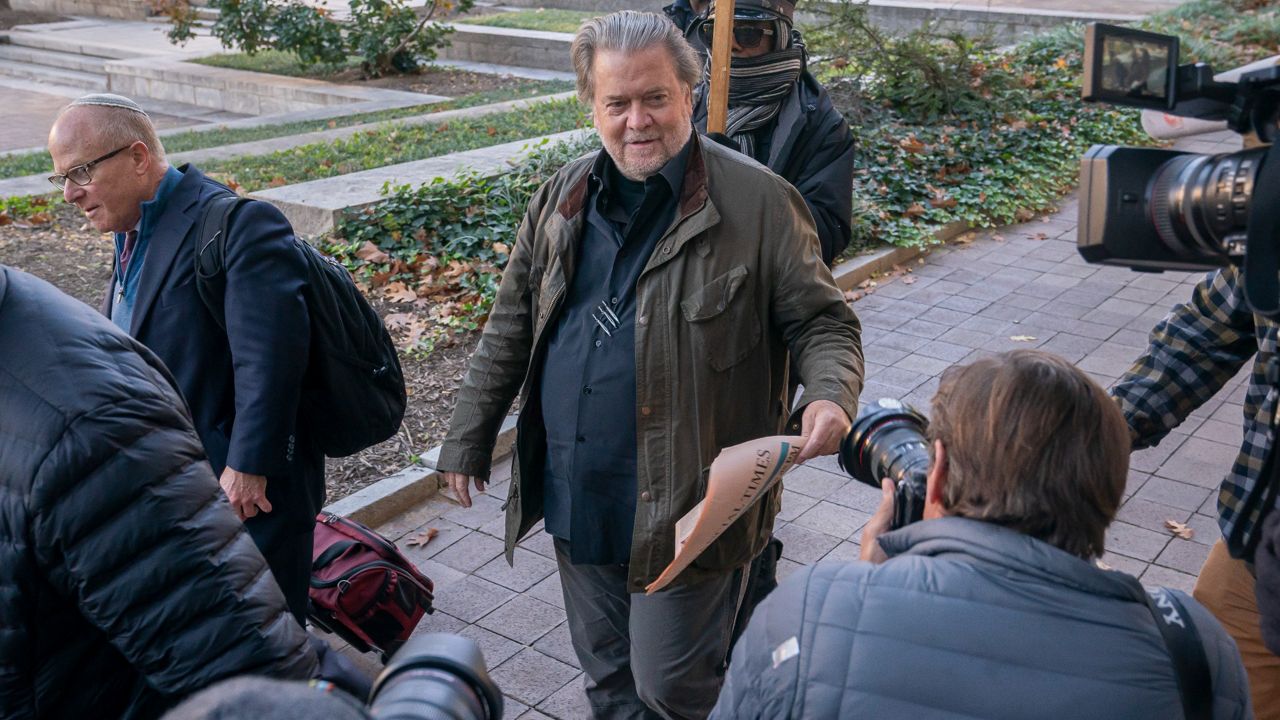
51,58
50,41
53,76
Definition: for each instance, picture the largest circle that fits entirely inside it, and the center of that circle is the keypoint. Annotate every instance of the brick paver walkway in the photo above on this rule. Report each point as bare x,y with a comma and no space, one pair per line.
964,301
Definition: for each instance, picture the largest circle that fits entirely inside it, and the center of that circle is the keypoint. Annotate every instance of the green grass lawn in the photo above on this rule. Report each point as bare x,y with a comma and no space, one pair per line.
276,62
565,21
38,162
395,144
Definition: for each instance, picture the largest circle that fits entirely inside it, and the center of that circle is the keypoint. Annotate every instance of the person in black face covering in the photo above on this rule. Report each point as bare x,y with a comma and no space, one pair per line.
780,116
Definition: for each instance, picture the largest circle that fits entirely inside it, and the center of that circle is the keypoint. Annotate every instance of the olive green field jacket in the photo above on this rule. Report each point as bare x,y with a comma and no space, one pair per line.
734,287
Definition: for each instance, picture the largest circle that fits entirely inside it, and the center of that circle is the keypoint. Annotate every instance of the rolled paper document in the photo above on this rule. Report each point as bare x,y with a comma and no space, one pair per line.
739,476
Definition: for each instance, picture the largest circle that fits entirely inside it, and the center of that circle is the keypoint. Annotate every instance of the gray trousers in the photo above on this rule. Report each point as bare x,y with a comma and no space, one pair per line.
649,656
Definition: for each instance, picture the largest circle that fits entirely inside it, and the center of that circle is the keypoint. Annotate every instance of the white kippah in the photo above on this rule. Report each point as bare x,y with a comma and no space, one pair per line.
108,100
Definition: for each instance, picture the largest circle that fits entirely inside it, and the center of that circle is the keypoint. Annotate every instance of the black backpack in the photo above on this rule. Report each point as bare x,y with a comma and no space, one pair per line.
353,393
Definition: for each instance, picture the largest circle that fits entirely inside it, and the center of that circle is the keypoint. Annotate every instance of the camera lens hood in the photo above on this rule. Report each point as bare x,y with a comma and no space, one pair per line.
854,457
455,655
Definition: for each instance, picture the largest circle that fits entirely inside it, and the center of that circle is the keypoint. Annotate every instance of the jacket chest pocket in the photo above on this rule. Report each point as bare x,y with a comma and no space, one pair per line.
722,320
185,293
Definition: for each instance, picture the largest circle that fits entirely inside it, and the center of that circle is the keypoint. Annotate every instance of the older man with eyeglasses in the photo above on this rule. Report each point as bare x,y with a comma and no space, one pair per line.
242,383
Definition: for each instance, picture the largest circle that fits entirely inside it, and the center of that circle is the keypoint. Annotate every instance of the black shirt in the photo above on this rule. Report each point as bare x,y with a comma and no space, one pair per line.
588,388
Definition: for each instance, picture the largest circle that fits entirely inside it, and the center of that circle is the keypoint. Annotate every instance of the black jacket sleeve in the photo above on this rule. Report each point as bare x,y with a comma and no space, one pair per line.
821,168
128,520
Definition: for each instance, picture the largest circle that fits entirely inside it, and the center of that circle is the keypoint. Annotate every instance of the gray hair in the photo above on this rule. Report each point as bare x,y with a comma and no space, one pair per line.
119,121
630,31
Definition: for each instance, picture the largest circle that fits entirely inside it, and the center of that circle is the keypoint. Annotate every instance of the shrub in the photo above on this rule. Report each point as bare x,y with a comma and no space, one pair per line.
388,36
951,129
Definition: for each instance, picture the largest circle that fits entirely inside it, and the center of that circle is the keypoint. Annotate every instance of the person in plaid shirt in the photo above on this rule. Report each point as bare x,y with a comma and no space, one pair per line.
1194,351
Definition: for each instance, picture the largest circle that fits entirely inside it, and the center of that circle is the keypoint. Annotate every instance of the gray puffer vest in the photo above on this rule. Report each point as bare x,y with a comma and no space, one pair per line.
966,620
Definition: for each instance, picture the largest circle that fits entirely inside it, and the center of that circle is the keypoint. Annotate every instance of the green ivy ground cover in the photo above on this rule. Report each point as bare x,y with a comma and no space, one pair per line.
447,241
551,20
946,130
38,162
395,144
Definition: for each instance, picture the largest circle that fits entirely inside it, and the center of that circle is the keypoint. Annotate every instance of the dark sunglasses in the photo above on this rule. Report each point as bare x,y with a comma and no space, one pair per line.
82,174
747,36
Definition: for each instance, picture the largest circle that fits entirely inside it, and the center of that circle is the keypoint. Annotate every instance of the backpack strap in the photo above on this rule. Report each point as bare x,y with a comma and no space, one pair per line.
1189,661
211,254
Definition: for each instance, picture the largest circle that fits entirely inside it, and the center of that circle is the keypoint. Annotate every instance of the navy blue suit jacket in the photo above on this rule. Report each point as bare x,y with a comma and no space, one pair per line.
242,385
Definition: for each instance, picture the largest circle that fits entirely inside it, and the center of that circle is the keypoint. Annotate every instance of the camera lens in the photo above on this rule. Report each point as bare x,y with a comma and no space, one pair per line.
436,676
1199,204
887,441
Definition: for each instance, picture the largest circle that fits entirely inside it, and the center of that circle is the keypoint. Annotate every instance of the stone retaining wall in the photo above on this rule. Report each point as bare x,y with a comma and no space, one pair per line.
238,91
508,46
972,18
120,9
314,207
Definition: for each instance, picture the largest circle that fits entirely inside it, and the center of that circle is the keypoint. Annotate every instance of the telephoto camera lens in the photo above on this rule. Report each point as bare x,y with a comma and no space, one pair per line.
887,441
436,676
1199,204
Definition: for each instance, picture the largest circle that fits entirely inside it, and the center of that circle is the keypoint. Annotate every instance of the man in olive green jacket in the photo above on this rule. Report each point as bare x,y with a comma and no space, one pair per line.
707,273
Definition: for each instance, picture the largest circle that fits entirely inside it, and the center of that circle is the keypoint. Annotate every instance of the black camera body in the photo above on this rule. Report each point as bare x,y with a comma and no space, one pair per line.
1151,209
887,441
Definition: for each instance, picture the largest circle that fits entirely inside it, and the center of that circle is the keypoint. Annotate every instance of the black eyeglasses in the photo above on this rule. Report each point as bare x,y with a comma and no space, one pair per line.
746,36
81,174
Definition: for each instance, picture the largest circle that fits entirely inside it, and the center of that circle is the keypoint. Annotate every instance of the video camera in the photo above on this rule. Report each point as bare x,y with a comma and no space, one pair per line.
1153,210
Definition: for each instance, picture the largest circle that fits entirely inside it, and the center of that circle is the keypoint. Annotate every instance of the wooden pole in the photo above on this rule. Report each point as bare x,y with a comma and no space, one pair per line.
721,56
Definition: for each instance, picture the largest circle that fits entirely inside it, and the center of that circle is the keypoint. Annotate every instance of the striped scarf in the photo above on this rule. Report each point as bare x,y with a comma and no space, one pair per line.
757,87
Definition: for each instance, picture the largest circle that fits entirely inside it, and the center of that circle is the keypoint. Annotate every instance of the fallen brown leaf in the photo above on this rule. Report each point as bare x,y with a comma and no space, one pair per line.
372,253
1178,529
912,145
398,320
422,538
501,248
397,292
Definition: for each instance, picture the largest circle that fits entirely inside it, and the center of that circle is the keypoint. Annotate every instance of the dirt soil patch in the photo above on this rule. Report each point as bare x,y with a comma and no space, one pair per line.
10,18
77,259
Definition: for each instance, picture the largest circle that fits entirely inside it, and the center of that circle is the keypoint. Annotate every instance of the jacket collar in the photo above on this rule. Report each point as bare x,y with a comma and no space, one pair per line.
693,188
695,213
984,543
174,216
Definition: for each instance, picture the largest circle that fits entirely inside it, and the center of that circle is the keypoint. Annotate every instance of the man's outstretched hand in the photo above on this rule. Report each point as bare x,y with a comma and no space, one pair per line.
824,424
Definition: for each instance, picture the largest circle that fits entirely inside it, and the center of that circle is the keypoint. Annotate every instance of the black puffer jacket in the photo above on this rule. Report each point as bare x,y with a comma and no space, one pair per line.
126,582
812,148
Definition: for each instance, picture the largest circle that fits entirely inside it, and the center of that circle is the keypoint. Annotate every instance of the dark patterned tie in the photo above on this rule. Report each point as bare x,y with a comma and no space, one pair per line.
130,238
